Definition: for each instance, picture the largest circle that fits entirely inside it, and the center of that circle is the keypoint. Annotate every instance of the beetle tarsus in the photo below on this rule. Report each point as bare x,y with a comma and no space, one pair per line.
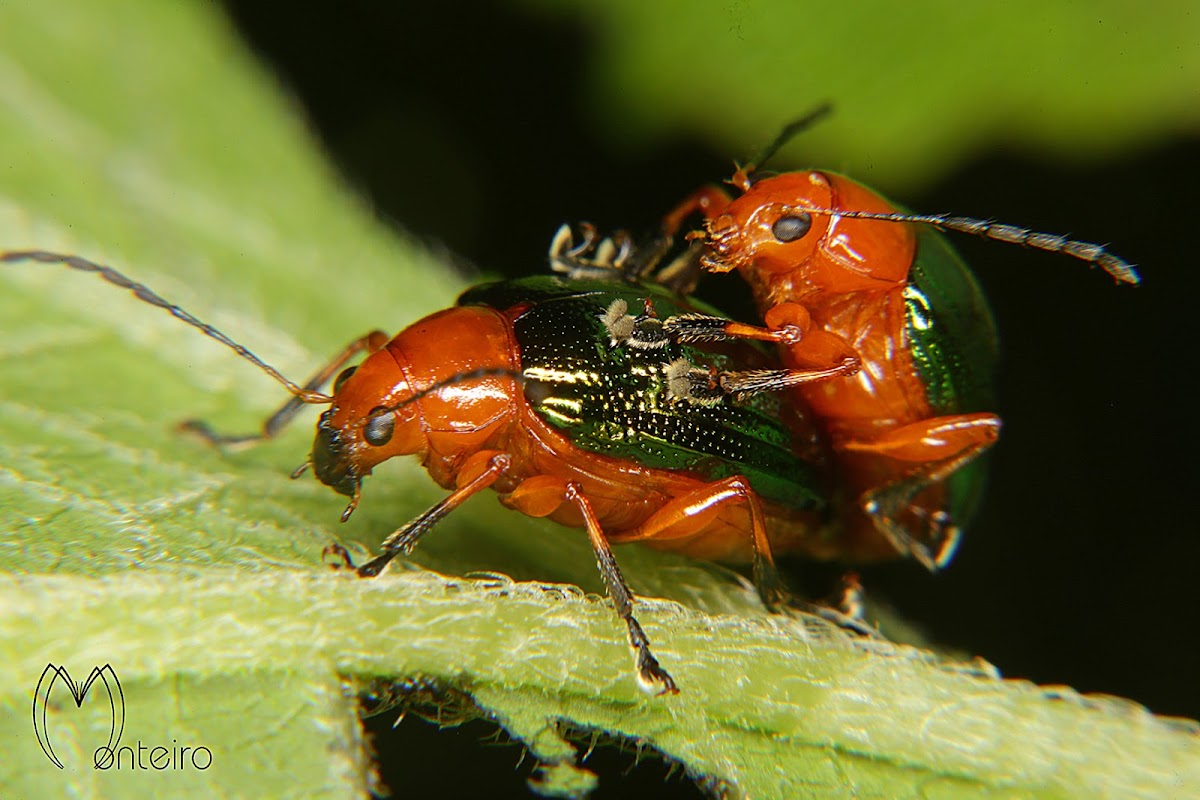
840,619
850,599
340,556
372,568
652,678
342,560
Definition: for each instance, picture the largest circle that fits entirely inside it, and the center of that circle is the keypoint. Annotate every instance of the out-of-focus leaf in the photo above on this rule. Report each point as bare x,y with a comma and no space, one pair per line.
917,88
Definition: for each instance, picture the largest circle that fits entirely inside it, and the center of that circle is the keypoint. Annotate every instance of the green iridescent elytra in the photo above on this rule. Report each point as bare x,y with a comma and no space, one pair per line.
613,400
954,347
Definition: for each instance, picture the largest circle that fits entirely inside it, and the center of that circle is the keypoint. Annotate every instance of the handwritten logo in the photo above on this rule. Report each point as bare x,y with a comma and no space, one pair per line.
112,694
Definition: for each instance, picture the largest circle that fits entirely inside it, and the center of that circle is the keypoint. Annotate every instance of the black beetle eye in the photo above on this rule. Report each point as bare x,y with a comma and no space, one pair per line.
380,426
791,227
342,377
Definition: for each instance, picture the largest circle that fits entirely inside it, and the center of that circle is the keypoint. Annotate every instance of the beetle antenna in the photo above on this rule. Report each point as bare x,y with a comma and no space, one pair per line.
1095,254
147,295
462,377
789,131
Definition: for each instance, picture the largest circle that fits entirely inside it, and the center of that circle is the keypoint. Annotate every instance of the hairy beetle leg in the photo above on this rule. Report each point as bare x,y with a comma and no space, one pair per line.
646,332
375,340
817,354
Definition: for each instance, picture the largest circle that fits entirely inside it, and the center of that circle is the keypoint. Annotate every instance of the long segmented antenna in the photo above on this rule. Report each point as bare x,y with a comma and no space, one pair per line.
147,295
462,377
1095,254
1120,269
789,131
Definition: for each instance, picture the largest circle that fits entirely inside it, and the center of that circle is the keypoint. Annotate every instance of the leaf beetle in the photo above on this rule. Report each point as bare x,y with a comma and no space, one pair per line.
523,388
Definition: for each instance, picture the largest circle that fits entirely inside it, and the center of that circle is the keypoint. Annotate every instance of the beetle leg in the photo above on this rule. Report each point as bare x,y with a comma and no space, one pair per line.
696,510
618,258
651,676
683,272
848,598
817,354
692,512
478,473
689,383
708,201
753,381
786,323
681,275
375,340
707,328
940,446
541,496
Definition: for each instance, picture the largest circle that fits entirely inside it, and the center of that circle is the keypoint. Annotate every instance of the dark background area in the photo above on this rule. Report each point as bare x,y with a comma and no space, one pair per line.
470,129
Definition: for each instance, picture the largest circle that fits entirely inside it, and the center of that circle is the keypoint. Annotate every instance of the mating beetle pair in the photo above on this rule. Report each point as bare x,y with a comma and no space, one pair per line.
537,389
520,388
888,342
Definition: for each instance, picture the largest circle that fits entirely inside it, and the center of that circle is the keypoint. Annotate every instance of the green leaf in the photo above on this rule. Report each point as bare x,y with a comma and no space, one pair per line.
139,134
916,89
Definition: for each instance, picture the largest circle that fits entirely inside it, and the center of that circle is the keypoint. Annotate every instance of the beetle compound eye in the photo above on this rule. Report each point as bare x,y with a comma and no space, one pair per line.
791,227
342,377
378,430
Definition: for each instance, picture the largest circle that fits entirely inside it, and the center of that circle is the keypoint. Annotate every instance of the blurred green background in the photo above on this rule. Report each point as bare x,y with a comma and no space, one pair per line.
483,127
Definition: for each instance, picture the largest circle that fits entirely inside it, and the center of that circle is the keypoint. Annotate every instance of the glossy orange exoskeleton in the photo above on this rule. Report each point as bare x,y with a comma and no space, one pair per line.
522,388
872,304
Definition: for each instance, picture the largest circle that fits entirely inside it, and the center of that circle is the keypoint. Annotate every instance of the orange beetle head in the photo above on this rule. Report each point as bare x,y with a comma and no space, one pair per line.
363,427
441,390
769,228
786,228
